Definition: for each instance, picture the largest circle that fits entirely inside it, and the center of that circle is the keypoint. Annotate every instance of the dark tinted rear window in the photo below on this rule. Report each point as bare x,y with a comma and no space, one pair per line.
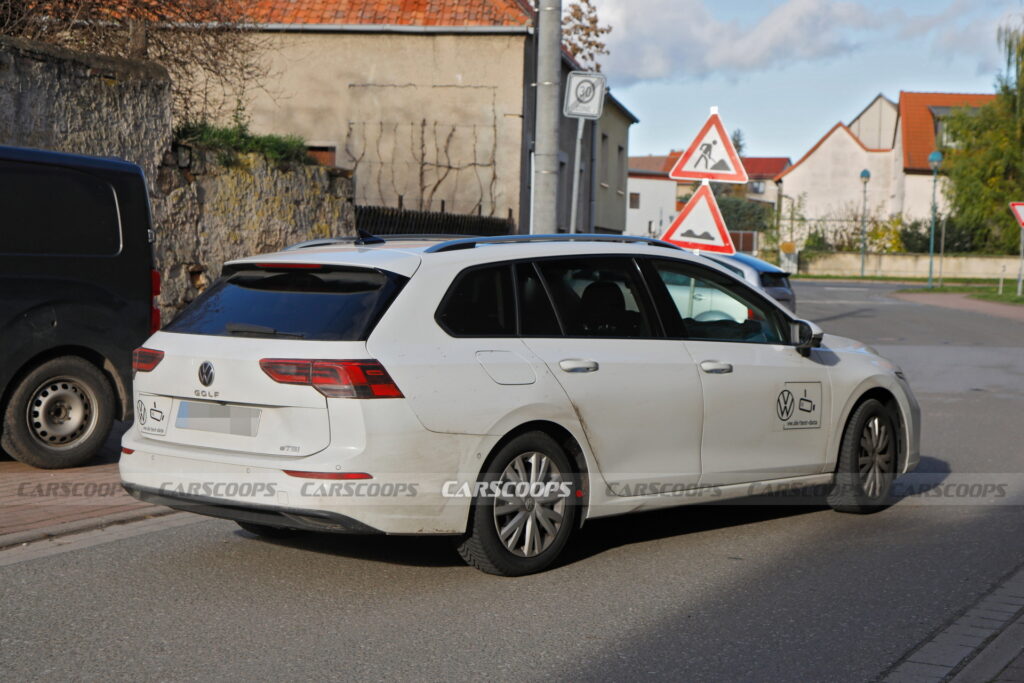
54,210
774,280
480,304
336,304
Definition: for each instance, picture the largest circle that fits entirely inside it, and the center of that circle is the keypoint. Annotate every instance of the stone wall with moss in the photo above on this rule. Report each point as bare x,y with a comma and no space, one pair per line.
209,210
208,207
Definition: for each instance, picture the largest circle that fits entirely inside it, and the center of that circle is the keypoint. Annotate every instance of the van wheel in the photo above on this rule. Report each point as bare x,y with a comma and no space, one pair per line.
59,414
522,531
867,460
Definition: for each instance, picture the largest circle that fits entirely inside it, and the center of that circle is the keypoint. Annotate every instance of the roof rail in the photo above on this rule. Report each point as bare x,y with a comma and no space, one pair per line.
327,241
472,242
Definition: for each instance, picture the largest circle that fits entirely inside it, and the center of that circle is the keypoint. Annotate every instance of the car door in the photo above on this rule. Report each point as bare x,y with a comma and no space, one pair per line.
636,392
766,406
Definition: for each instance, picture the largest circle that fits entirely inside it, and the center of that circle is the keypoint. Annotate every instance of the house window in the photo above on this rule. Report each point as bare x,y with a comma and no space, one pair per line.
756,187
621,168
605,160
324,154
634,200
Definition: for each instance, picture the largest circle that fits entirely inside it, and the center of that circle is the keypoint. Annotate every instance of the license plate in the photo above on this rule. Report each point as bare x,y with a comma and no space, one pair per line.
221,419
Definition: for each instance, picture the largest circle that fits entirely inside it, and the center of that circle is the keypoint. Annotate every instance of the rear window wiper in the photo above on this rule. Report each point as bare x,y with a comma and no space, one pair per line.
243,329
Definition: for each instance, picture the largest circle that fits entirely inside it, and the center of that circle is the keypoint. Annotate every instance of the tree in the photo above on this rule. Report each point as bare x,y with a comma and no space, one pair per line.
208,46
582,33
985,165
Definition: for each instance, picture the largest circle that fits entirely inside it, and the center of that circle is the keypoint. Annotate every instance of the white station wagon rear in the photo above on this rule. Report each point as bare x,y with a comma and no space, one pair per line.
502,391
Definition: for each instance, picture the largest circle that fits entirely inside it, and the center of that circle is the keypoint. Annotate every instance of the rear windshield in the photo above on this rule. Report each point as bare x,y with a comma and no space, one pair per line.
323,304
775,280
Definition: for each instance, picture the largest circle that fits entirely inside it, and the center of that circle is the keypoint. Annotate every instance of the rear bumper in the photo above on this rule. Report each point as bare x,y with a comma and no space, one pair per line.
268,515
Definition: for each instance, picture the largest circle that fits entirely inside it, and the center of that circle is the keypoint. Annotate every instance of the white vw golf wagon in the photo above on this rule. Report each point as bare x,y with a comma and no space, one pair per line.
500,390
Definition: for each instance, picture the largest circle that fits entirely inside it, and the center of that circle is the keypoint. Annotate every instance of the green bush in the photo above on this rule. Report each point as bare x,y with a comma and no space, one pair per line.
230,141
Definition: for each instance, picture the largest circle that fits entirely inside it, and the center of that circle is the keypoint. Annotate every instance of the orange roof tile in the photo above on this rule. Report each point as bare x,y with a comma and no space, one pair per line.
394,12
763,168
918,124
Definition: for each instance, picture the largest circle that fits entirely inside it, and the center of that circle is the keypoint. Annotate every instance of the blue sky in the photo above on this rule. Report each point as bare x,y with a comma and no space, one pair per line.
785,71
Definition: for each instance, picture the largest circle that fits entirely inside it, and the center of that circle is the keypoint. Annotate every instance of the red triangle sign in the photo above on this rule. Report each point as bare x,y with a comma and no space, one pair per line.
700,225
711,156
1018,212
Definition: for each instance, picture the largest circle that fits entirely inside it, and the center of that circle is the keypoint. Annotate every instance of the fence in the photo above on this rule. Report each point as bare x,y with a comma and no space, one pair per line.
383,220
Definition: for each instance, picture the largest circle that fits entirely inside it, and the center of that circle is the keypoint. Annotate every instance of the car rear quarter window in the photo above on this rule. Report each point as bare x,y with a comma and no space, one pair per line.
320,303
775,280
56,211
480,303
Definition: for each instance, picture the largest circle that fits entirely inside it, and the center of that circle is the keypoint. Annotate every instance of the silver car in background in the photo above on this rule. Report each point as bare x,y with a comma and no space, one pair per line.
764,276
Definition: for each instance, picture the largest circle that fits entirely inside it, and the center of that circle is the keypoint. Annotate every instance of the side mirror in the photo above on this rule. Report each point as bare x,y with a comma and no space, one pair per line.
808,336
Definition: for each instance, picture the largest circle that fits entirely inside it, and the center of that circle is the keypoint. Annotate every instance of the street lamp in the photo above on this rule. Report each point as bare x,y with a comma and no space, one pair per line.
865,176
934,160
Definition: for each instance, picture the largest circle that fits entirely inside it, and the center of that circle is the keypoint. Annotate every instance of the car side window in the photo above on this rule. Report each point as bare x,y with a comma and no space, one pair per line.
536,314
480,303
599,297
712,306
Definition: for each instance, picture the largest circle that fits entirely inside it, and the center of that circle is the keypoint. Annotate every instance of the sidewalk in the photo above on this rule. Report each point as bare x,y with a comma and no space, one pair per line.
36,504
985,644
963,302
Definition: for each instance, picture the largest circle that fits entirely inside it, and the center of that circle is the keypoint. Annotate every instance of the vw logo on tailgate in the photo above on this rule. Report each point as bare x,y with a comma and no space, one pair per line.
206,373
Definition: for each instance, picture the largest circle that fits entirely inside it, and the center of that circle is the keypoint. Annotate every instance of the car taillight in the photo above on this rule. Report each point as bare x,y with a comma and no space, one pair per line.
144,360
334,378
154,309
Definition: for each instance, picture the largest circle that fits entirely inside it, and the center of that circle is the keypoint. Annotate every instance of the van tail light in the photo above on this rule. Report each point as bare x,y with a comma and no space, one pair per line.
154,307
144,360
334,378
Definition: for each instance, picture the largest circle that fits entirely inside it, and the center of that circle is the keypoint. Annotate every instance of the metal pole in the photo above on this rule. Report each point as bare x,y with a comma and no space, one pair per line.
549,76
864,232
576,176
931,236
942,249
1020,273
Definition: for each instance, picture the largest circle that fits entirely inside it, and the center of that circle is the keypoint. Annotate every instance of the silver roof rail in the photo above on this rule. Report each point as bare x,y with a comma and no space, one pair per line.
472,242
327,241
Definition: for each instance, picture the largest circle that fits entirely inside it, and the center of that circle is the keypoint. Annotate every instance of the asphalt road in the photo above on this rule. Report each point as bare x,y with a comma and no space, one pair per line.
796,593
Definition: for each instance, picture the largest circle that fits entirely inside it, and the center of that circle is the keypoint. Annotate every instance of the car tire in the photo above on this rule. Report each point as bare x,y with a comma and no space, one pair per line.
868,456
59,414
264,531
512,535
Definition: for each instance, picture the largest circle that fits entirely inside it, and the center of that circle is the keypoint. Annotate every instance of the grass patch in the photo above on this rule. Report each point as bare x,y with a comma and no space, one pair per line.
986,293
230,141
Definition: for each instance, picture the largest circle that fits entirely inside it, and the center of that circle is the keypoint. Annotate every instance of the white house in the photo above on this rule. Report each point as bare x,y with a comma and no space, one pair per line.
890,140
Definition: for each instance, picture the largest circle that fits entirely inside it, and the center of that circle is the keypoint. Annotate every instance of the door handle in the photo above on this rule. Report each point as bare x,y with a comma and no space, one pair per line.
713,367
578,365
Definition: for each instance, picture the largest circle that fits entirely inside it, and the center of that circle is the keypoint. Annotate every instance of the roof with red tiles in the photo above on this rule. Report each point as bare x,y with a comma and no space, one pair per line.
393,12
650,164
764,168
918,122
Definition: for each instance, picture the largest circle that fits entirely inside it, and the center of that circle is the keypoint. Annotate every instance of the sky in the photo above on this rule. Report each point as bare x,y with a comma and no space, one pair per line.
786,71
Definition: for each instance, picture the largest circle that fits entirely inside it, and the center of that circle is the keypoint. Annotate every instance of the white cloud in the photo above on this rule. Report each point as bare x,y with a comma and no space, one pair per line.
672,39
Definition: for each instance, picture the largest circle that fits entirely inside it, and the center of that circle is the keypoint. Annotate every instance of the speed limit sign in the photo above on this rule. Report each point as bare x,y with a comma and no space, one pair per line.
584,95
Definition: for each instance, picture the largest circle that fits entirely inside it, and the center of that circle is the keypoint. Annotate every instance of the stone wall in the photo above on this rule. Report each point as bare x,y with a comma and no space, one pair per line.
205,211
208,212
911,265
58,99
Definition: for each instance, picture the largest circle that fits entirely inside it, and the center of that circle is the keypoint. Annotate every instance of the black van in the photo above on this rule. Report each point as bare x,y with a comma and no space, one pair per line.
77,295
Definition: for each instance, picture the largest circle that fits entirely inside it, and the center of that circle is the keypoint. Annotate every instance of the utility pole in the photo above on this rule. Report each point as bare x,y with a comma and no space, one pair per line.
545,138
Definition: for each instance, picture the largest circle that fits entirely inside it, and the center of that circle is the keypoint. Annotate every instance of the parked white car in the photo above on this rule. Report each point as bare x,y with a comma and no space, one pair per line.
500,390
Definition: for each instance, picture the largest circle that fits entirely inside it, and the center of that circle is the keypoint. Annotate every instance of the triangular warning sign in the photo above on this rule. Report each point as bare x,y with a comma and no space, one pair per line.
700,225
1018,212
711,156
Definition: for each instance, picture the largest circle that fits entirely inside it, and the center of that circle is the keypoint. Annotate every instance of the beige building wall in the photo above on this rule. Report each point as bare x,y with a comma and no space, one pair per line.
876,125
657,209
420,118
827,190
612,169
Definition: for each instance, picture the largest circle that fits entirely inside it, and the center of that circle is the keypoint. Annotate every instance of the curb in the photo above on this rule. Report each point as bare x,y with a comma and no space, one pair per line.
80,525
991,661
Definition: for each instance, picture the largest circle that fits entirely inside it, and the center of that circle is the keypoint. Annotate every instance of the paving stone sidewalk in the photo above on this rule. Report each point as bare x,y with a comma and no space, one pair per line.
983,645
